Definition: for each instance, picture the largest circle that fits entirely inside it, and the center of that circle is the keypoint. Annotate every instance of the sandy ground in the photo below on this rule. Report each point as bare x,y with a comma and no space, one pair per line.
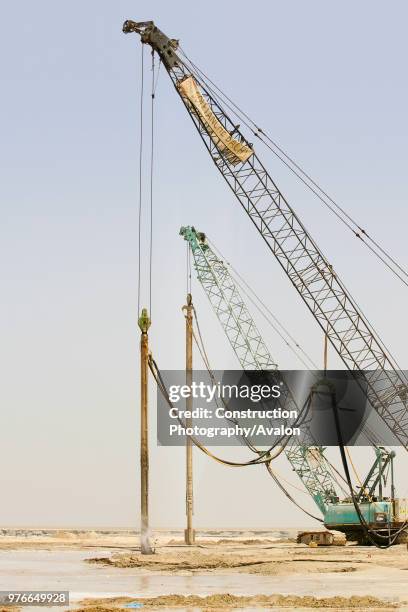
104,571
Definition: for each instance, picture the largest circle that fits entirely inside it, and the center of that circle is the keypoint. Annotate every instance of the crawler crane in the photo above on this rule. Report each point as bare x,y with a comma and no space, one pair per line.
309,271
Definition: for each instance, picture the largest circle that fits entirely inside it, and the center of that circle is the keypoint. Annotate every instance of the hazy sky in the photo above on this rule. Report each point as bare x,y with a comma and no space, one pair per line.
329,82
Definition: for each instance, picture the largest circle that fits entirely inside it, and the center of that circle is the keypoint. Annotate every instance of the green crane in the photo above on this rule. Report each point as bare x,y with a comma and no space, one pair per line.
307,461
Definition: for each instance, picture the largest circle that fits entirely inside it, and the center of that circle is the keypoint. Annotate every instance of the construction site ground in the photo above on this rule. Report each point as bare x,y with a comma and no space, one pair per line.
248,570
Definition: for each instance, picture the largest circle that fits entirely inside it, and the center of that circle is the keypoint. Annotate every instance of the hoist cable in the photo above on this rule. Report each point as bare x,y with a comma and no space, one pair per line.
356,474
299,421
194,69
360,482
268,464
187,266
333,469
140,182
296,169
263,456
157,77
206,361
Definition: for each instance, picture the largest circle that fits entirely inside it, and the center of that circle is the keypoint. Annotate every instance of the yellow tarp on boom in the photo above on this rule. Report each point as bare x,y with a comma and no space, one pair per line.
233,150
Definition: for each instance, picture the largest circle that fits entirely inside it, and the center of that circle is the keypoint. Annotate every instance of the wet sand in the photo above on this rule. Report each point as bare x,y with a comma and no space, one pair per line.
229,565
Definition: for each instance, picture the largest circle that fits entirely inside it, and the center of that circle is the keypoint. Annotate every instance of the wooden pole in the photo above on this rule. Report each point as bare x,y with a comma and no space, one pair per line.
189,535
144,324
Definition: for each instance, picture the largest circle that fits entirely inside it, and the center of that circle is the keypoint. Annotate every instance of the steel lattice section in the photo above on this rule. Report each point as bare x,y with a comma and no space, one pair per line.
307,461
